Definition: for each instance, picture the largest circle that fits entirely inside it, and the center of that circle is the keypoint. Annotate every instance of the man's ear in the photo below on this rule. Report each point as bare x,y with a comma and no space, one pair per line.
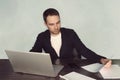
45,23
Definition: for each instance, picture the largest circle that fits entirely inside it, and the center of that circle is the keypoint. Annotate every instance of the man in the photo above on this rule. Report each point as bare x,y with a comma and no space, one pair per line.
60,42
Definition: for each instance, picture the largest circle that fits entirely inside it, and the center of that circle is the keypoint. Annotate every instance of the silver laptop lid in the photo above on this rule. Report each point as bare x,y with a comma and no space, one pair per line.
32,63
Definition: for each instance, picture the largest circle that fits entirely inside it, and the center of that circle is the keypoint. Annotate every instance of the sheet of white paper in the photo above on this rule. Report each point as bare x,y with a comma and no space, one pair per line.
111,73
76,76
93,67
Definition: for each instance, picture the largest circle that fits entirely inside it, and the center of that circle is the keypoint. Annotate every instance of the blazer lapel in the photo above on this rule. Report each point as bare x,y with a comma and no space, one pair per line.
48,42
63,42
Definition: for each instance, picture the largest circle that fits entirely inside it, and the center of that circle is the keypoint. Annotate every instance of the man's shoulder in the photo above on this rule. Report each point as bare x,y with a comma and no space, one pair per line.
44,33
67,30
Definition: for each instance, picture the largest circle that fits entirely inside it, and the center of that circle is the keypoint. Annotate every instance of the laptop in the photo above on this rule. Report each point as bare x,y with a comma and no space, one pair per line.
33,63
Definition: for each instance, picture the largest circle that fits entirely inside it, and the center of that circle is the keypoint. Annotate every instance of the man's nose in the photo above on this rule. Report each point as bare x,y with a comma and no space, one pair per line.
56,26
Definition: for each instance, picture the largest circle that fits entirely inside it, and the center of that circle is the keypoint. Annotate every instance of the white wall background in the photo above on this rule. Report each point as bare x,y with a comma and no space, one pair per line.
97,22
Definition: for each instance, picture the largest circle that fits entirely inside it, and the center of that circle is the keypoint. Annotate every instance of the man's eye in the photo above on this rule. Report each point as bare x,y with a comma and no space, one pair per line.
58,22
51,24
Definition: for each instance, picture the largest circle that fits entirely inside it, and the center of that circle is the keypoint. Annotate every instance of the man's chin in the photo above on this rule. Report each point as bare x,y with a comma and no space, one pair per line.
55,33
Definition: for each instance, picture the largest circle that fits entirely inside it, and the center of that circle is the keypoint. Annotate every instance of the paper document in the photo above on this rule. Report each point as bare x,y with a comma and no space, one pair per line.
76,76
111,73
93,67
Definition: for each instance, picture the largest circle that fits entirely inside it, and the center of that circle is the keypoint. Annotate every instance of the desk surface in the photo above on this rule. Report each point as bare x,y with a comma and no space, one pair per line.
7,73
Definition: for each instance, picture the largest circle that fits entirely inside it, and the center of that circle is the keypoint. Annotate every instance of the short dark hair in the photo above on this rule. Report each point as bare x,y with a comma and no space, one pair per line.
50,12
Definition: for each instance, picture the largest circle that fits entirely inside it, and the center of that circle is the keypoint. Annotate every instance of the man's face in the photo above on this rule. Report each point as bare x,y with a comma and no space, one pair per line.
53,24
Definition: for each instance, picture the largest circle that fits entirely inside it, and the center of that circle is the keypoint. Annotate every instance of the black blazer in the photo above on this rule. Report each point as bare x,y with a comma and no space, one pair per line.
70,40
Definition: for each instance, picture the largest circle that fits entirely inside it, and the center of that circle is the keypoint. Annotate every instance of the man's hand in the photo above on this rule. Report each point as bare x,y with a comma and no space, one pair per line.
106,62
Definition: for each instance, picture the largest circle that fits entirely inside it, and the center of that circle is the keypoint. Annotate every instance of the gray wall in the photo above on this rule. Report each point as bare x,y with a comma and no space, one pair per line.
97,22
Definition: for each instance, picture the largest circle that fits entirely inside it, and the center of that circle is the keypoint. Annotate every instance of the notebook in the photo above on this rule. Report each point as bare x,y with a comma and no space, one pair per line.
33,63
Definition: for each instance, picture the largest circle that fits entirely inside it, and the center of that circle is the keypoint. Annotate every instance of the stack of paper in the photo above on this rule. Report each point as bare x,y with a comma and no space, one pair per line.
75,76
111,73
107,71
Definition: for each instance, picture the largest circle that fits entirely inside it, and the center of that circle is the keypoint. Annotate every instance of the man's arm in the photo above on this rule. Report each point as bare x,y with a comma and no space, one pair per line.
84,51
38,45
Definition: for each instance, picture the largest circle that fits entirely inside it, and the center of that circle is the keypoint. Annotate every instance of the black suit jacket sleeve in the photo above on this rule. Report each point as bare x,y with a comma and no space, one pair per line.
83,50
42,43
38,45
